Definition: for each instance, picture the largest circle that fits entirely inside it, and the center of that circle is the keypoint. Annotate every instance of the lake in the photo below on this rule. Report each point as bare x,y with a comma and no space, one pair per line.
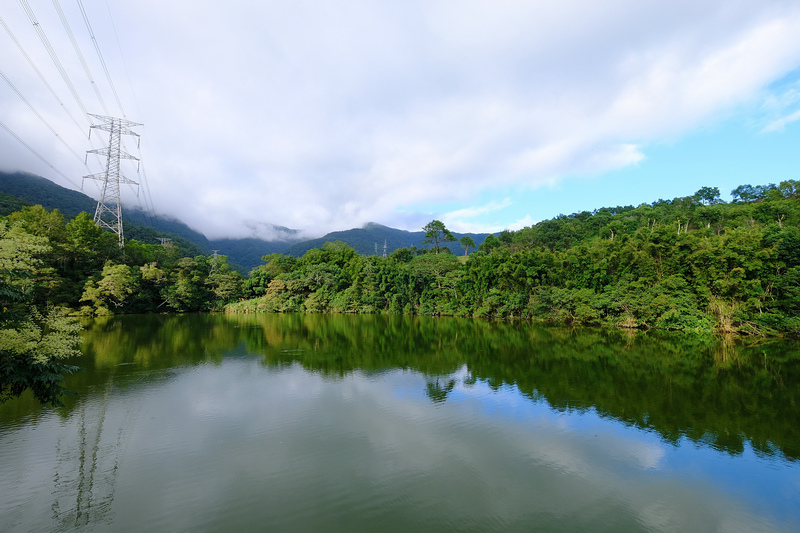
393,423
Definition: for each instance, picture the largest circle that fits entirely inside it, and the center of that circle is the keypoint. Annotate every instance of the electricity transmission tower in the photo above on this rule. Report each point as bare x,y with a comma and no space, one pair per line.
109,207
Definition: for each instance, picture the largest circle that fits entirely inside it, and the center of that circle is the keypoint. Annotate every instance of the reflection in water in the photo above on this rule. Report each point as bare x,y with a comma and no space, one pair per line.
86,496
722,391
437,388
87,461
323,422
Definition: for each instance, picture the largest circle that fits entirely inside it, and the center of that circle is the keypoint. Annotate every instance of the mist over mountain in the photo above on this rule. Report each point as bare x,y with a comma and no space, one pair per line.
245,253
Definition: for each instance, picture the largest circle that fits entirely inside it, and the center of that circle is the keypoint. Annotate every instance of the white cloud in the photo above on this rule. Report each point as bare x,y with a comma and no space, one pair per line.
473,219
780,124
327,116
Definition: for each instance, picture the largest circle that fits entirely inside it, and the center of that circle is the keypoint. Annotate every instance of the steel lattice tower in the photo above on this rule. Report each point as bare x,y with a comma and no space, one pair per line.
109,207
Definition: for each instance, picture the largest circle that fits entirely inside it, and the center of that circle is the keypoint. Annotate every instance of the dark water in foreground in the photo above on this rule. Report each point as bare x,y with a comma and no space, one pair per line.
374,423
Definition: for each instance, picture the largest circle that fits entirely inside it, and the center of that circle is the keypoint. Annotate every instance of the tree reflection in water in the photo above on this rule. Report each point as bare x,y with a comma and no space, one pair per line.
723,391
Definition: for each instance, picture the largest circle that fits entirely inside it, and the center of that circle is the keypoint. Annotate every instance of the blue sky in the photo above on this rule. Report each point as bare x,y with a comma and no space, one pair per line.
485,115
750,145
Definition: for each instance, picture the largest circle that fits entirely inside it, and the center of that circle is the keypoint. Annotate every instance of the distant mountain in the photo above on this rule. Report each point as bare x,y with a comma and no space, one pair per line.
9,204
248,252
41,191
369,240
19,188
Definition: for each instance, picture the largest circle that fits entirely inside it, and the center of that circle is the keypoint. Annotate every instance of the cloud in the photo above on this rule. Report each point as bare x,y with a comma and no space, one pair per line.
323,117
780,124
485,218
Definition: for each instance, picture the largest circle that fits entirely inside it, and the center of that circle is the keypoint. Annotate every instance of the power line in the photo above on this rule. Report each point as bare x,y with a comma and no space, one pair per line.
114,145
147,195
122,57
79,54
32,17
40,116
38,73
53,55
148,198
100,55
37,154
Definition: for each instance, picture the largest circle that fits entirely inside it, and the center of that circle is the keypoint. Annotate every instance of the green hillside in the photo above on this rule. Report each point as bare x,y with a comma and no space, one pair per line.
20,188
40,191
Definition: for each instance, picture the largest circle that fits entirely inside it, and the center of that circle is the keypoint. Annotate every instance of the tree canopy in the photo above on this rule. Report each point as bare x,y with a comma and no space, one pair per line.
436,234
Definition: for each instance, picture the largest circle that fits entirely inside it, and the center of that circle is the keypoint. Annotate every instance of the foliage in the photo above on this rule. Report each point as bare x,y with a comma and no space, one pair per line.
691,263
116,284
466,243
33,343
75,263
436,233
366,240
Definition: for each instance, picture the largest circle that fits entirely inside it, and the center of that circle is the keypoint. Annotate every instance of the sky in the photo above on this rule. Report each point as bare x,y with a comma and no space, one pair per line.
323,116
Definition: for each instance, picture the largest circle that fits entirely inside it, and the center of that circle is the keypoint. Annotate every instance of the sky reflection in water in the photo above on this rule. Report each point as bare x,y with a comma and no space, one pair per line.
237,443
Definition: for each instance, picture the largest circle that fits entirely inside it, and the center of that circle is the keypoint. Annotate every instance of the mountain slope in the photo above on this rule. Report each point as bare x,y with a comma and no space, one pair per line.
41,191
21,188
370,239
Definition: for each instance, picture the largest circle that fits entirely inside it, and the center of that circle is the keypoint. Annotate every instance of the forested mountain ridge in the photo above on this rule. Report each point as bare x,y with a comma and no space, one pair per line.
36,190
369,240
146,228
245,253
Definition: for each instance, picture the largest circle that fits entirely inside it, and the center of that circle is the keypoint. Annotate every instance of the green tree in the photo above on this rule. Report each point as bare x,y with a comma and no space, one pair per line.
708,195
38,221
33,343
117,283
224,282
467,243
186,290
436,233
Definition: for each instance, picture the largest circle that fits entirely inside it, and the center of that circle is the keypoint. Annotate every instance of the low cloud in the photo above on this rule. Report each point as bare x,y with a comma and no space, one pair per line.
326,117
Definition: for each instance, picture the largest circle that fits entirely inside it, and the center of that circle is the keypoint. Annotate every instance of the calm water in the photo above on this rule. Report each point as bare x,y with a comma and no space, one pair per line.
354,423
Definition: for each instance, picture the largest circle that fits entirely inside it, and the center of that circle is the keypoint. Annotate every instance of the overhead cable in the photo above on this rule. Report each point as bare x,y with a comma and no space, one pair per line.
79,54
38,73
122,57
40,116
37,154
53,55
100,55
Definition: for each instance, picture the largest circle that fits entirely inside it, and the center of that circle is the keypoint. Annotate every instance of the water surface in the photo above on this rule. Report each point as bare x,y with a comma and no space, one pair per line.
343,423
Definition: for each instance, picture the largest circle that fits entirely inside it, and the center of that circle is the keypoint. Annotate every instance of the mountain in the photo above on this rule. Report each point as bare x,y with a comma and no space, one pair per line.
41,191
370,239
247,252
19,188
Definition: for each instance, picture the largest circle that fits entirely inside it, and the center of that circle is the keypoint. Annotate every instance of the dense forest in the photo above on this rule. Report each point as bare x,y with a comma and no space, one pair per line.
691,263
